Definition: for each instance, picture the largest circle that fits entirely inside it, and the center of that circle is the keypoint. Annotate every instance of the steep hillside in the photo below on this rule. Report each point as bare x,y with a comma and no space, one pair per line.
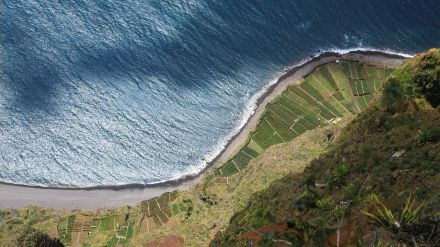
377,185
294,129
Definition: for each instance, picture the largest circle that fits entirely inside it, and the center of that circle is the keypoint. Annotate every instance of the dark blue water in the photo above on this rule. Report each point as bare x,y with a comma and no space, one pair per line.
117,92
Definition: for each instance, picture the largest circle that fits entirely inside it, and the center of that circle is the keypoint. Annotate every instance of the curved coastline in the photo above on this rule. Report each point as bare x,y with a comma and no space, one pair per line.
17,195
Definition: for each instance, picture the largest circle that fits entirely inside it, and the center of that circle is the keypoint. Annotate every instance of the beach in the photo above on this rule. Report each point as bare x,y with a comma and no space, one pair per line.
111,196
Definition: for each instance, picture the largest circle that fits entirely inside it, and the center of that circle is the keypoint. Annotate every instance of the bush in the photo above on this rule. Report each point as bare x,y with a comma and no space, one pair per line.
392,92
30,237
325,204
350,192
408,215
427,79
429,135
339,175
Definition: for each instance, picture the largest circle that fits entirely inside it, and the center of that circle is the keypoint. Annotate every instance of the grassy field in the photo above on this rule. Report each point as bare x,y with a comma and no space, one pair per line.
286,139
65,227
378,182
291,121
321,97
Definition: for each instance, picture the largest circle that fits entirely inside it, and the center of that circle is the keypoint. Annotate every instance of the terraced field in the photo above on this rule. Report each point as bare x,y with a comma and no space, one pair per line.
65,227
159,209
330,92
75,230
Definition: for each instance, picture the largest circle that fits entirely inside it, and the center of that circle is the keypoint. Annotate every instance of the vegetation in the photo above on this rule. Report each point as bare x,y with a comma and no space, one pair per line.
307,176
389,151
30,237
322,97
408,215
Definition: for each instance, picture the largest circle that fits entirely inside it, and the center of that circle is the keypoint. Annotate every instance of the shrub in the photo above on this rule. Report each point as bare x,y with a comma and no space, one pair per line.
325,204
350,192
408,215
378,242
339,175
429,135
392,92
30,237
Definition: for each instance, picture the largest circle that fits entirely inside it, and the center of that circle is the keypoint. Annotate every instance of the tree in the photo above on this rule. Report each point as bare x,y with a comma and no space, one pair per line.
29,237
392,93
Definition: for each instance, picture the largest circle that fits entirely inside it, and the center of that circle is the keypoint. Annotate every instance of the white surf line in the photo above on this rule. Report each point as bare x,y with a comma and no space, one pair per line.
233,162
274,130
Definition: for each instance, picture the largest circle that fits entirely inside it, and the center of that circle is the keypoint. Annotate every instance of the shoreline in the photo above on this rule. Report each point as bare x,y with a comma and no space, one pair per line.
18,195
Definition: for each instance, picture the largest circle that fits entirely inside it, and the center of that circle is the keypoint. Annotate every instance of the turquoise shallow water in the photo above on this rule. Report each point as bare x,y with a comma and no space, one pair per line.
121,92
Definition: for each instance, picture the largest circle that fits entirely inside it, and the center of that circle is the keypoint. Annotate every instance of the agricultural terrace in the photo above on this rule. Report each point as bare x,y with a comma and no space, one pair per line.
332,91
157,211
76,230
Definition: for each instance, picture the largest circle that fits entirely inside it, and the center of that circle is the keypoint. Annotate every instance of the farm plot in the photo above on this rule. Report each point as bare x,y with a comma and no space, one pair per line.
327,91
82,226
159,208
65,227
122,234
331,91
364,80
342,82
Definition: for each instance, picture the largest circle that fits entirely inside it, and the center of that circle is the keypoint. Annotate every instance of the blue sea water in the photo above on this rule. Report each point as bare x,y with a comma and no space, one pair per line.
121,92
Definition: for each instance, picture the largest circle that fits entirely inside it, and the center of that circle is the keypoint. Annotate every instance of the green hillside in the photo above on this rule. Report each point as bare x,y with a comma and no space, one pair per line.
318,162
378,185
331,92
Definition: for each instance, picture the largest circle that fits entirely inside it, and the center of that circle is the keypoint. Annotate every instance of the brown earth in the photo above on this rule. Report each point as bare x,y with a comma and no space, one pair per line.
170,241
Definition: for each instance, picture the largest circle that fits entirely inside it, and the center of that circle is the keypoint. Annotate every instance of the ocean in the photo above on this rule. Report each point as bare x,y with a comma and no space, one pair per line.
99,93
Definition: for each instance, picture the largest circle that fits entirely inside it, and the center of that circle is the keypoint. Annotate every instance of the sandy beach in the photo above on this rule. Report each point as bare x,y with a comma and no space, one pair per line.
111,196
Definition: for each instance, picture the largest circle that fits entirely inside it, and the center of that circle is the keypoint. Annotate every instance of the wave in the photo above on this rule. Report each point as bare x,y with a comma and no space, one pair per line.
252,106
151,92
